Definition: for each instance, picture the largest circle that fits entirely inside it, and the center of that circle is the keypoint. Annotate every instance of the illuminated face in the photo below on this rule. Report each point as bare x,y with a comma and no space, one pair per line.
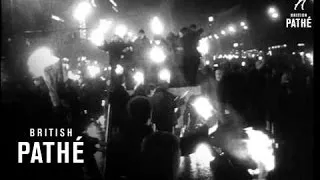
218,75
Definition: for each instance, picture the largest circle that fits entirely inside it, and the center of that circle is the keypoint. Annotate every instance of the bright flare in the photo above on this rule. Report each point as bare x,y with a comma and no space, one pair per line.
119,69
41,59
93,70
216,36
232,29
97,35
243,64
223,32
156,26
204,153
138,77
211,19
82,11
203,46
203,107
165,75
260,149
242,23
73,76
121,30
157,54
310,57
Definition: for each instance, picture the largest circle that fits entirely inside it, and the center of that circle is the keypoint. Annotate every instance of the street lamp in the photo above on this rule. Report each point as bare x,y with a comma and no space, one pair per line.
242,24
223,32
121,30
80,13
232,29
273,12
211,19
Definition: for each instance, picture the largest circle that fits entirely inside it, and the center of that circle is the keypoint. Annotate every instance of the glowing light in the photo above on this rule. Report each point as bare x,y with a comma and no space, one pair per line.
203,107
82,11
223,32
211,19
156,26
41,59
138,77
216,36
254,171
130,34
232,29
113,3
216,65
119,69
260,149
73,76
272,10
93,70
260,58
102,78
165,75
204,153
301,44
213,129
54,17
157,42
103,102
243,64
97,37
242,23
115,9
301,53
93,3
235,45
157,54
310,57
203,46
121,30
275,15
207,62
245,27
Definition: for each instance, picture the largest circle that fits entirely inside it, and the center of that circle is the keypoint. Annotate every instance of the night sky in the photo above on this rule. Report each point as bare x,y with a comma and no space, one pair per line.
34,14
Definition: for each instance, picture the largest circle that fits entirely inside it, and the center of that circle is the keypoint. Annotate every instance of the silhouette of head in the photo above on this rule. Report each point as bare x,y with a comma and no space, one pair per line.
139,109
160,156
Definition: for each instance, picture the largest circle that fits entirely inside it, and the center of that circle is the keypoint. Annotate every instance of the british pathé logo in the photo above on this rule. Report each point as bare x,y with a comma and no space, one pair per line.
298,19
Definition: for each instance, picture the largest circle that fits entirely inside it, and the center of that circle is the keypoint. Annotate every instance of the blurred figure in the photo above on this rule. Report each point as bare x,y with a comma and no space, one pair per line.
124,148
116,48
163,108
119,98
191,60
141,48
160,157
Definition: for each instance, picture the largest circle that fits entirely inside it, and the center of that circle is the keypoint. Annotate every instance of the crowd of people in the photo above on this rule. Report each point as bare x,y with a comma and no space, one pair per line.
182,56
144,143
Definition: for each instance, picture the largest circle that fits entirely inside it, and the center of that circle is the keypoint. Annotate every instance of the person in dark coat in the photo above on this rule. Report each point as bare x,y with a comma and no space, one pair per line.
163,108
141,48
124,148
191,59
